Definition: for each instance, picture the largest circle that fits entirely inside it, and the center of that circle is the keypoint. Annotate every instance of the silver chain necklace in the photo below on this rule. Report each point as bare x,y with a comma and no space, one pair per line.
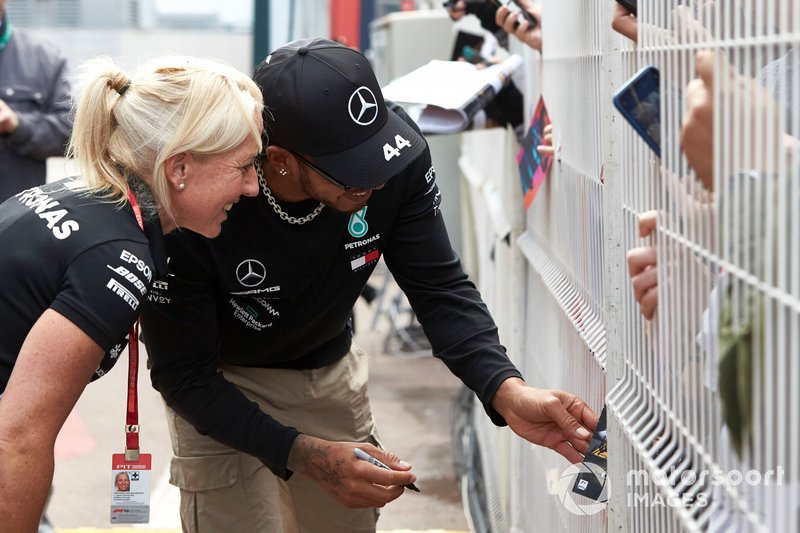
277,208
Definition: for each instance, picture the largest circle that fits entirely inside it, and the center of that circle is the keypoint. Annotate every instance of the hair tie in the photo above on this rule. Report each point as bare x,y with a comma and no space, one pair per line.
122,90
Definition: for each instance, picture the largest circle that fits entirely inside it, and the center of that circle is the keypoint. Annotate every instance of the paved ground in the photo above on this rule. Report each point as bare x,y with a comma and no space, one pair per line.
411,398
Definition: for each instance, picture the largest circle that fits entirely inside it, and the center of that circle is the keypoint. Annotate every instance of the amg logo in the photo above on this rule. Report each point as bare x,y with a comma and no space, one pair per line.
123,293
276,288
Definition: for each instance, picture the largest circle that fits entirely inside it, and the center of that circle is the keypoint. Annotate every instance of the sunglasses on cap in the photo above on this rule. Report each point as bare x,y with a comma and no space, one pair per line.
320,171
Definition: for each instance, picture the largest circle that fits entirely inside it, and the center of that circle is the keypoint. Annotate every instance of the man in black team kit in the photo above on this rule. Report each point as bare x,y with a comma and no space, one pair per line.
249,339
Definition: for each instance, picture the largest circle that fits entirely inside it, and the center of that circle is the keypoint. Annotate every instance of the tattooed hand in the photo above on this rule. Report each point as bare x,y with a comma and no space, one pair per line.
350,481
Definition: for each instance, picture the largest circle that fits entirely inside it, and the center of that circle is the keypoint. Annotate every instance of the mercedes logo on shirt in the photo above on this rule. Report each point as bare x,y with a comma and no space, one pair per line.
363,106
251,272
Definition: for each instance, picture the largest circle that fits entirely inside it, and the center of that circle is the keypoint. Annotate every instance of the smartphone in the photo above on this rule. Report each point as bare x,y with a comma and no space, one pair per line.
515,6
638,101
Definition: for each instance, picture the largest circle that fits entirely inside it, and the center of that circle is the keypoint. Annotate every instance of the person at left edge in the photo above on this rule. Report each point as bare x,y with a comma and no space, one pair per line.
175,141
249,340
34,107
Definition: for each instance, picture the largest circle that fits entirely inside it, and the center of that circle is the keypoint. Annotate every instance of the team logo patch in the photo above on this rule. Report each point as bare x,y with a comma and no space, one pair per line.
251,272
358,226
363,106
364,260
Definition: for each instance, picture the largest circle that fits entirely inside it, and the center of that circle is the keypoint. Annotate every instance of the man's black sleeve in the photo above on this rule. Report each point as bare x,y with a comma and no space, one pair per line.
447,304
179,328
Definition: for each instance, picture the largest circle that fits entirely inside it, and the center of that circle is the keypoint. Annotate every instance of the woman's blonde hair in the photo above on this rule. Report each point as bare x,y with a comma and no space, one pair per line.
133,124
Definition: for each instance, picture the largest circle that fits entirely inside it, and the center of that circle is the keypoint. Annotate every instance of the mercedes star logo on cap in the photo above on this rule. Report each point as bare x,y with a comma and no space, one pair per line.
363,106
251,272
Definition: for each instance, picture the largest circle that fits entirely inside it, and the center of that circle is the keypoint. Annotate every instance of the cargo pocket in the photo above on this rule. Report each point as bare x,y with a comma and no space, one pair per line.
211,496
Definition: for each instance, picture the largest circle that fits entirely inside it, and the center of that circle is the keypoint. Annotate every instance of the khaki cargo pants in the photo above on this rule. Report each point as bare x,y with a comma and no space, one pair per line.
223,490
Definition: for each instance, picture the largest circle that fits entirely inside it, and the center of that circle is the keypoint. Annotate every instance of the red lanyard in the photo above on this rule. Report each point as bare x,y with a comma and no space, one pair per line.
132,415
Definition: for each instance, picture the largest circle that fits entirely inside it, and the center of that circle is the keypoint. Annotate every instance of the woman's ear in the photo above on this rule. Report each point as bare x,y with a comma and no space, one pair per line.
176,170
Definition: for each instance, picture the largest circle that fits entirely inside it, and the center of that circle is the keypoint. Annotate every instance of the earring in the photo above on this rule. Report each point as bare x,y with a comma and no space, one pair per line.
181,185
283,172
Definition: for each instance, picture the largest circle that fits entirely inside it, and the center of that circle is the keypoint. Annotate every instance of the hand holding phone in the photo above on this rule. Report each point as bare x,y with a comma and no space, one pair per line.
639,102
516,6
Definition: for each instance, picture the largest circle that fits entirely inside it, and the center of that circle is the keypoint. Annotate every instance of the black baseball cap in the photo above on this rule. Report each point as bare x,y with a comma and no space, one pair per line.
321,99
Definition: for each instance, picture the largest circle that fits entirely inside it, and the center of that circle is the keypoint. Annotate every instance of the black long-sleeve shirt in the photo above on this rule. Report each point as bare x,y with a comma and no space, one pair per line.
269,294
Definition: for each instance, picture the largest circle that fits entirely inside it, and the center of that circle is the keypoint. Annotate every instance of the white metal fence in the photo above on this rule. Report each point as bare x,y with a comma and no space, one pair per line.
726,335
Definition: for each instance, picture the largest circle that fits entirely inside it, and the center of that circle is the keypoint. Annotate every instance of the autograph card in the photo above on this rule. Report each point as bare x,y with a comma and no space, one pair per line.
130,489
533,166
591,482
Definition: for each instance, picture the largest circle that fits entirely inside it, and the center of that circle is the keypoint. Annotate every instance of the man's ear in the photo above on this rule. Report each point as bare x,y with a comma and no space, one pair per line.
280,158
176,169
277,156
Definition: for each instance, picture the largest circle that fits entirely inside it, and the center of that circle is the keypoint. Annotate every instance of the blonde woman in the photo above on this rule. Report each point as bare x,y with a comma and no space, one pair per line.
170,146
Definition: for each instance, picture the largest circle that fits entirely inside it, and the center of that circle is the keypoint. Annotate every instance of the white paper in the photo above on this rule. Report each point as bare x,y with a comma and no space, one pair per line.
445,88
